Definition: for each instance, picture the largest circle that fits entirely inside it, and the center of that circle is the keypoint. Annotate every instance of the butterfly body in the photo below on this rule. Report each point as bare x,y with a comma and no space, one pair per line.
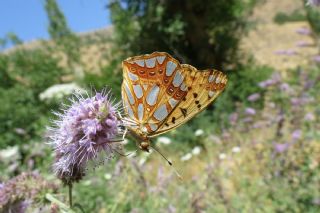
160,94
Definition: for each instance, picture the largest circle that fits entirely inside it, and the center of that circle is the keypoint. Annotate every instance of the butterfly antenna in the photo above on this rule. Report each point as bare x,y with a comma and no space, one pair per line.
125,155
169,162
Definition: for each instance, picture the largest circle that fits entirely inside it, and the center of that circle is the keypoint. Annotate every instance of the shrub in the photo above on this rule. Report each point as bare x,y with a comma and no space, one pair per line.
202,33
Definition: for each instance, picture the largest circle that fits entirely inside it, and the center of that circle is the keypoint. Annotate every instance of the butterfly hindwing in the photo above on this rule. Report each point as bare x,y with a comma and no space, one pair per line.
203,87
160,94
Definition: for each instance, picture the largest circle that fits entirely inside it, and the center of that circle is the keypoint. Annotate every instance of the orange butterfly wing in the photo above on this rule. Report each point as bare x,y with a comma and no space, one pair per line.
160,94
203,88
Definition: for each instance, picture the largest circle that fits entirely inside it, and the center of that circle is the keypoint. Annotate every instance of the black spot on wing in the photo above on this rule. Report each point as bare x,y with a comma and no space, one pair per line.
183,111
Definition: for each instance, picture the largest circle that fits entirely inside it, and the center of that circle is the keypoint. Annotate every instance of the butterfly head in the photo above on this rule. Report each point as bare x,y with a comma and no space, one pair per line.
144,145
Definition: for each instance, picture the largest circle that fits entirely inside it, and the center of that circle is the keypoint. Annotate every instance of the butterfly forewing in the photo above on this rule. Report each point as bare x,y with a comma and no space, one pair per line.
160,94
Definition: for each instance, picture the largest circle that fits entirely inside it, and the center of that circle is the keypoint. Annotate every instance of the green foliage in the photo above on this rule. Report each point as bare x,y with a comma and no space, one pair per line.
313,16
58,27
35,69
110,78
61,33
10,38
25,75
5,80
296,15
202,33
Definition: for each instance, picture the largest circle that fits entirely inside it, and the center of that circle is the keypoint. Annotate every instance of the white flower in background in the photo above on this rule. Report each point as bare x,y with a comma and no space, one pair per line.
186,157
222,156
196,150
164,140
199,132
144,157
9,154
236,149
107,176
142,161
58,91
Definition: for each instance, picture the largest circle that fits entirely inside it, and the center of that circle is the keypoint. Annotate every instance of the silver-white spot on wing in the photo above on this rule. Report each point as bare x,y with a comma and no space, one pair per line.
211,78
153,95
151,62
145,86
173,102
218,79
140,111
160,59
171,66
129,110
128,92
153,127
161,113
183,87
137,90
132,76
211,94
178,79
140,62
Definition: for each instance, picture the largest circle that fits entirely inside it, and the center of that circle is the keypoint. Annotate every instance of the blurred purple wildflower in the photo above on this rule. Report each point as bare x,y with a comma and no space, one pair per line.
247,120
86,131
286,52
303,31
304,44
275,79
285,87
300,101
22,191
254,97
250,111
309,117
281,147
296,134
233,118
313,2
316,58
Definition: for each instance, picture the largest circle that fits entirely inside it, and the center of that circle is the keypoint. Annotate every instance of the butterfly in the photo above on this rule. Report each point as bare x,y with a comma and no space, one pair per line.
160,94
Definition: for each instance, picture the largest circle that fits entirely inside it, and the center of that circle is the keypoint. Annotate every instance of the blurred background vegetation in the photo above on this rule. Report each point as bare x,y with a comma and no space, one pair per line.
257,149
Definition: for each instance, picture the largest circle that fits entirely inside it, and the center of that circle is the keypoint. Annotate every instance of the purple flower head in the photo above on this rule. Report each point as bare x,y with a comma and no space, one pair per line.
285,87
281,147
309,117
286,52
275,79
233,118
254,97
20,192
250,111
314,3
303,31
316,58
303,44
84,132
296,134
